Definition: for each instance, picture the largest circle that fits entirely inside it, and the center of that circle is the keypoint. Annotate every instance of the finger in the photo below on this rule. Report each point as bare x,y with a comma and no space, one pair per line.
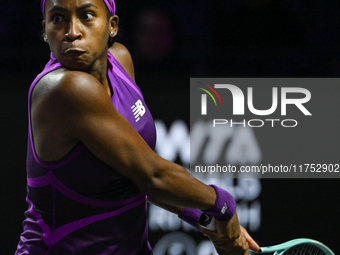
245,244
236,247
242,245
252,244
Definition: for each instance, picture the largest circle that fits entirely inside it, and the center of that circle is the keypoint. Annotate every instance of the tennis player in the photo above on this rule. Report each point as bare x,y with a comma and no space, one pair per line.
90,159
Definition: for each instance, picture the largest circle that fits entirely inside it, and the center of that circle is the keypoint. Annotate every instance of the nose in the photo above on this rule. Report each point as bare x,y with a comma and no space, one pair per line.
73,31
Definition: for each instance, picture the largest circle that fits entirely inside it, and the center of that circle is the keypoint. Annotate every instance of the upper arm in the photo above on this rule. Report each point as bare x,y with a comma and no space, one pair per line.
123,56
85,112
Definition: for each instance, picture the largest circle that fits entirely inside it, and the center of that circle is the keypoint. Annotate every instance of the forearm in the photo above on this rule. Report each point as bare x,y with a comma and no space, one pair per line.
172,185
170,208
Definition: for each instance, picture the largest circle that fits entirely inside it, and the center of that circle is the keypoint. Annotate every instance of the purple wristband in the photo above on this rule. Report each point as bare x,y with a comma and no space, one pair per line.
224,207
190,216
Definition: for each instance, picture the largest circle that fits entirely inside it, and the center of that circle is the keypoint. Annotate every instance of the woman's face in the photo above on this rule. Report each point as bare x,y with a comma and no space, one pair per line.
77,32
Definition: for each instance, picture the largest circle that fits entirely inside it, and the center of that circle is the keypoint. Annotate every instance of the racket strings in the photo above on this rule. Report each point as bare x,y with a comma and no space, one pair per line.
304,249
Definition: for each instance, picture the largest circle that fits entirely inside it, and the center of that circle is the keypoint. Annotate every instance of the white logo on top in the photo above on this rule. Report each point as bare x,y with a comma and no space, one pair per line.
224,208
138,110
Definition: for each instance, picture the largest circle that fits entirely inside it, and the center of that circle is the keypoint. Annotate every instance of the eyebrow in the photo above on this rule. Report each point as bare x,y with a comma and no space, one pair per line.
61,9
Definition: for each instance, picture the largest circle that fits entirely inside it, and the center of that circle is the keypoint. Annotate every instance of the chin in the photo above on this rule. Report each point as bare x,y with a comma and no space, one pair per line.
74,62
76,65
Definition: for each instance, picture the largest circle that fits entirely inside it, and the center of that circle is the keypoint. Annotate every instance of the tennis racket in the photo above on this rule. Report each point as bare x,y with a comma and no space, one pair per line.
300,246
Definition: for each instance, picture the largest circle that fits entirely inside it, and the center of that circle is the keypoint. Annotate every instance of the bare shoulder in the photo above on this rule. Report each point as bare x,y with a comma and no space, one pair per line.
64,83
122,54
65,79
66,92
62,101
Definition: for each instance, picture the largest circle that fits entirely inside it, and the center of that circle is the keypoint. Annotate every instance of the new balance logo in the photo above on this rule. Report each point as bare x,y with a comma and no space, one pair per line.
224,208
138,110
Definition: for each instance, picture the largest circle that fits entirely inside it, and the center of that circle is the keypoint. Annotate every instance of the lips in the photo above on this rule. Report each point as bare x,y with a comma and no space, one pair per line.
73,51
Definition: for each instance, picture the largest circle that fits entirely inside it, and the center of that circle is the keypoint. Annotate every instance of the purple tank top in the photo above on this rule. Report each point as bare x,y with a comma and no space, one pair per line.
78,204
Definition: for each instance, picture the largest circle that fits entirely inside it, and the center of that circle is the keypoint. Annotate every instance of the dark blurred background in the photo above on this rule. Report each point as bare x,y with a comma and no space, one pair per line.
171,41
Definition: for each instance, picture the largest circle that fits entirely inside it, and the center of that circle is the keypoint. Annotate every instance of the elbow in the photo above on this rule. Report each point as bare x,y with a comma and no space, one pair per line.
157,181
155,184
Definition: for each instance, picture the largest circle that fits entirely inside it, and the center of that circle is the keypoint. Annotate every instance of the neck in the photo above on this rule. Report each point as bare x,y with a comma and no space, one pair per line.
99,71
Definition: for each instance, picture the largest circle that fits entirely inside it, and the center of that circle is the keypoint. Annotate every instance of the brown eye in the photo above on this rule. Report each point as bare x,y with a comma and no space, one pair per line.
88,16
57,18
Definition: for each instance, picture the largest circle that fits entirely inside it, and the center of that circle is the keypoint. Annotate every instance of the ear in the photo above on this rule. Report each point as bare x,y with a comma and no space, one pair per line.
44,25
114,20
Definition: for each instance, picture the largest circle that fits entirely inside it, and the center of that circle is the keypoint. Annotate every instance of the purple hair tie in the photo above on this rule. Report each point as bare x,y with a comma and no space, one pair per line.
111,5
224,207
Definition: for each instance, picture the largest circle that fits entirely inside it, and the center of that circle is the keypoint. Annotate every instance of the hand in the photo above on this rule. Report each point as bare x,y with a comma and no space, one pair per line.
230,238
251,242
